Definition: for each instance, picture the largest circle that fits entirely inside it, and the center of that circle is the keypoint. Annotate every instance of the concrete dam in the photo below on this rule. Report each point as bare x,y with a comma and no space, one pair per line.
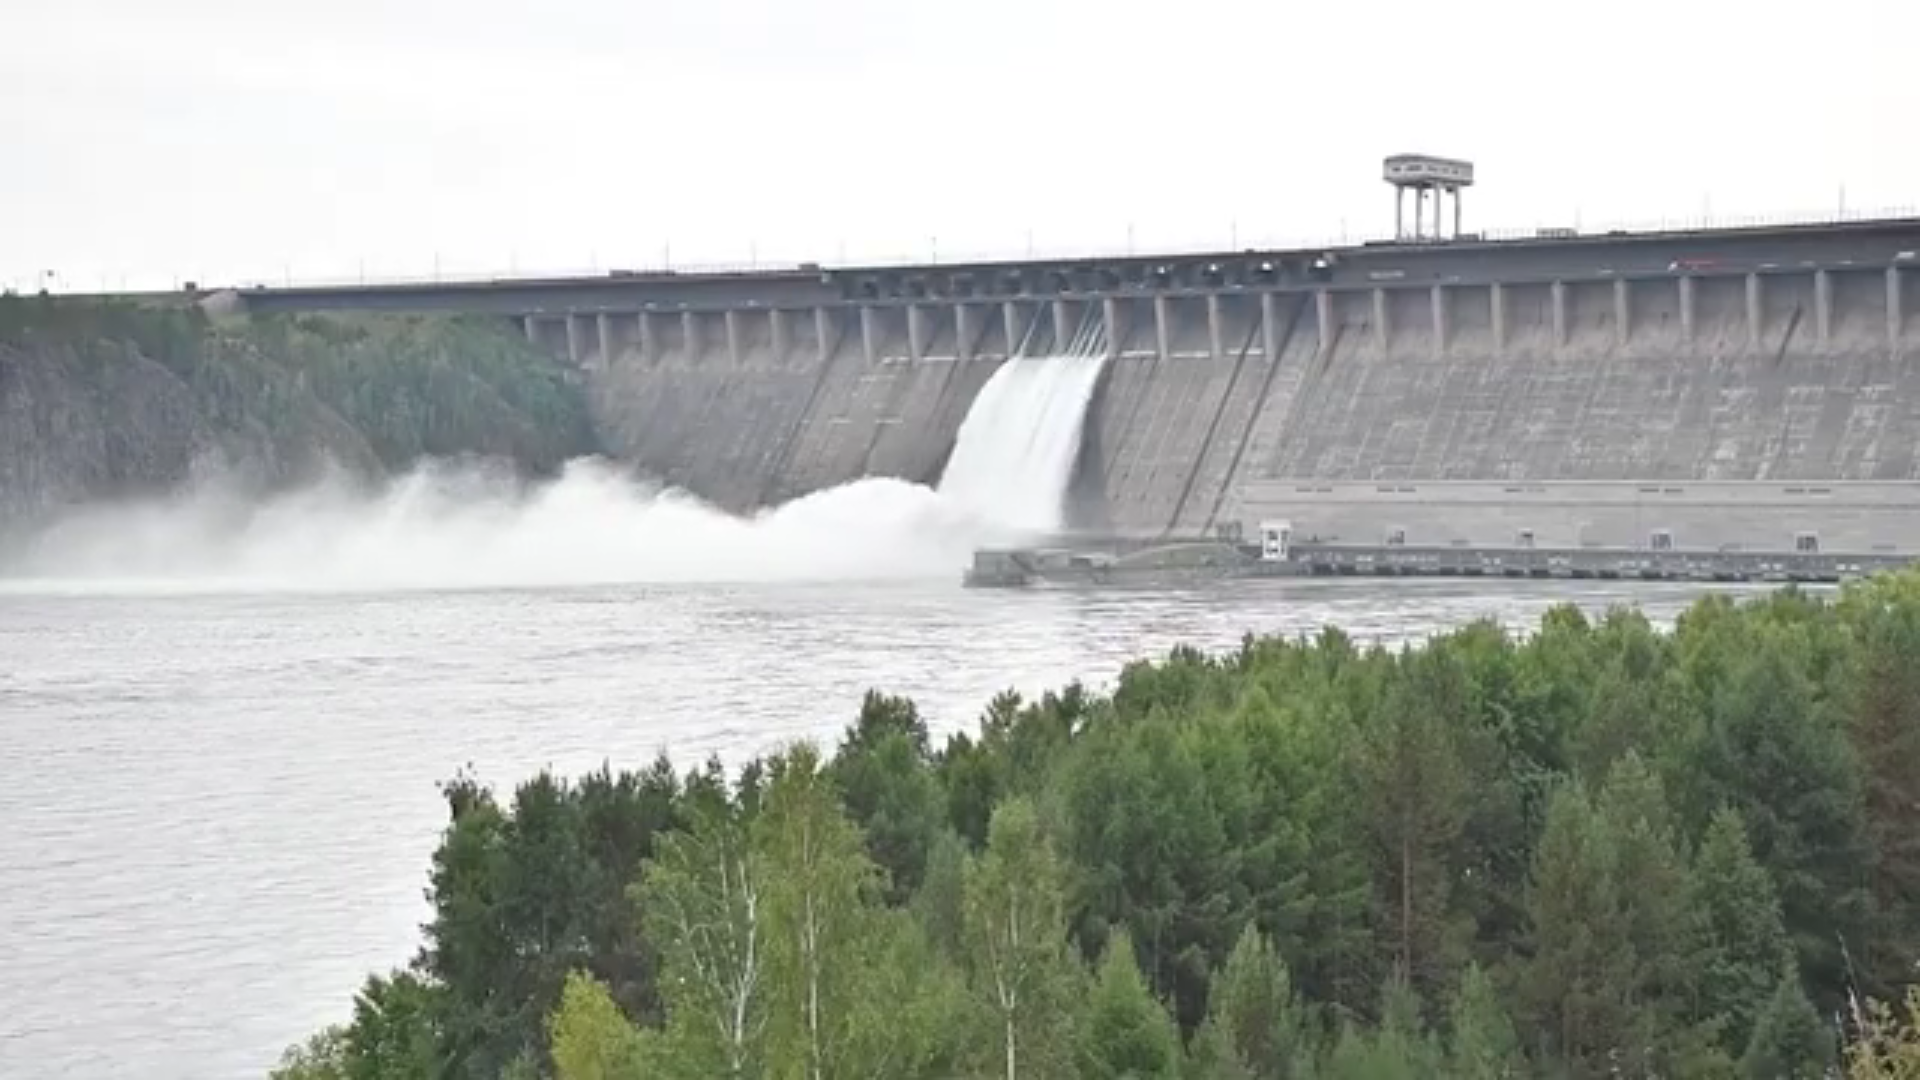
1730,388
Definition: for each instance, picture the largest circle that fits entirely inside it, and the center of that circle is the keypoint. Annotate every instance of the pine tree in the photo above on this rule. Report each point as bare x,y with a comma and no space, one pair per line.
1484,1045
1885,732
1253,1007
1408,762
1789,1041
1578,987
1744,946
1126,1034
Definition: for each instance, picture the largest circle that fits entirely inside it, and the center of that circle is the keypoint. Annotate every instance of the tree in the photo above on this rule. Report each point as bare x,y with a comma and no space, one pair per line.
1885,734
1407,760
321,1057
1016,929
889,789
1252,1007
820,887
394,1031
1772,754
1483,1043
703,898
1744,946
1126,1035
1789,1042
1578,985
590,1038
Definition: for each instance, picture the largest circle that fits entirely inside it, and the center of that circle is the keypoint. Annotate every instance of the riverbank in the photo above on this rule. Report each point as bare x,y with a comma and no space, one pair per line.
104,400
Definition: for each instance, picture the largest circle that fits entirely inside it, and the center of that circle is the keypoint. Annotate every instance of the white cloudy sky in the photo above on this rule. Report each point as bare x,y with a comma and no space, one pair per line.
149,140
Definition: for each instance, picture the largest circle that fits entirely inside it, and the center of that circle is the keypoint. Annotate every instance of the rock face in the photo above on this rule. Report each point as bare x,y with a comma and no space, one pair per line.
98,401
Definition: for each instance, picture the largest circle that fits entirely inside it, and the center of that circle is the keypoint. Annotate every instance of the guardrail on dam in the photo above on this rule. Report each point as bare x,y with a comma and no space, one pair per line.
1350,391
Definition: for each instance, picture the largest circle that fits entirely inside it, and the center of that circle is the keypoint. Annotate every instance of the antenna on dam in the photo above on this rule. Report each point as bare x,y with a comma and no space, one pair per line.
1426,175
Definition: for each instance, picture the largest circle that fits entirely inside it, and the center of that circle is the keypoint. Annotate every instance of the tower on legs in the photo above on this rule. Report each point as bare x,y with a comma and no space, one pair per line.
1431,179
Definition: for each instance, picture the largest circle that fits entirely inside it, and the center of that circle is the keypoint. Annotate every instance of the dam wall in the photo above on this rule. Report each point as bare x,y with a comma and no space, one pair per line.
1298,385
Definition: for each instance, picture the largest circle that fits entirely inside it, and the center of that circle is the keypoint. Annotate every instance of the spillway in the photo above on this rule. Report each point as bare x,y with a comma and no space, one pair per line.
1013,457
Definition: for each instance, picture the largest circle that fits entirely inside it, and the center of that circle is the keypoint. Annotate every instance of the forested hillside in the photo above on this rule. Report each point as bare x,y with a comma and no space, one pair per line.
102,399
1597,850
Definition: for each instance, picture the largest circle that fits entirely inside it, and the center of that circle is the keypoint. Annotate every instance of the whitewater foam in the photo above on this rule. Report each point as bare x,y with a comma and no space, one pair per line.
446,526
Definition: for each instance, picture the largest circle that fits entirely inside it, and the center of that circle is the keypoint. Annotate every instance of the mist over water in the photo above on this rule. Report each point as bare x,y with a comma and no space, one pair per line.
448,526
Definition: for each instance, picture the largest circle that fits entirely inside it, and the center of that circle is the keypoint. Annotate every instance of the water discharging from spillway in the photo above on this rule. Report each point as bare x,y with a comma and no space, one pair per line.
449,525
1013,458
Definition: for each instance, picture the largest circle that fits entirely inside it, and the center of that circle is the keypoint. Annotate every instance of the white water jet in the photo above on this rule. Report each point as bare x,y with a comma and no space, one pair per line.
1013,459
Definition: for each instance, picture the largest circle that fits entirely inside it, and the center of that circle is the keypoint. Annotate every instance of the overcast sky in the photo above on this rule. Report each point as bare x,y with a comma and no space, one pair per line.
146,141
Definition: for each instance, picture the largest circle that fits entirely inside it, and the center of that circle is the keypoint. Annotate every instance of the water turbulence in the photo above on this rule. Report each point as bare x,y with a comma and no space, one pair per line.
1013,459
458,526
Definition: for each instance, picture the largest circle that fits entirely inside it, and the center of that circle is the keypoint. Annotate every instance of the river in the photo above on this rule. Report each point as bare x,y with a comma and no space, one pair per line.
218,808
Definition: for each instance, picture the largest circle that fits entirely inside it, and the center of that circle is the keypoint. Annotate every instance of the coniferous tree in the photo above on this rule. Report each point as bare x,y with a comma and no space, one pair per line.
1789,1041
1253,1007
1578,986
1126,1034
1407,760
1743,944
1885,732
1483,1044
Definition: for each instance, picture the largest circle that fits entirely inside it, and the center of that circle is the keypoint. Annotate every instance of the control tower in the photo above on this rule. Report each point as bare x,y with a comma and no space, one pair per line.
1425,175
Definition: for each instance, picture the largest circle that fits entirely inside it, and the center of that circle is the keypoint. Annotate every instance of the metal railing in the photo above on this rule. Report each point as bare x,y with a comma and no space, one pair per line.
1234,239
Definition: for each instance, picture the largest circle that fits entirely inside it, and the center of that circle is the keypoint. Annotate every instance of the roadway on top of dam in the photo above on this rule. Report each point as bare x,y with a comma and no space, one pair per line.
1858,244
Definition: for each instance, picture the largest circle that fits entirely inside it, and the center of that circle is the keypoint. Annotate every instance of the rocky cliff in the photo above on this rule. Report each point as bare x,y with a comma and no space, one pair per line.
101,400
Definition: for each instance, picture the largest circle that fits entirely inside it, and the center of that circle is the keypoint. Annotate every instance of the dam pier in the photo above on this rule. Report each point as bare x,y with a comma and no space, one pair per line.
1726,389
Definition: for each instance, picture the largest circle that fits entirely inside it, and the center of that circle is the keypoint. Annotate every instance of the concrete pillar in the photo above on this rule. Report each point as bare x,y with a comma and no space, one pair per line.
1497,312
1010,315
1270,326
1822,306
1686,309
962,331
1622,318
777,334
605,327
1323,314
869,335
1895,318
916,333
823,342
1380,320
1110,312
1062,327
531,325
1439,300
1456,213
690,329
1161,334
732,318
649,344
1755,311
1216,347
574,346
1559,314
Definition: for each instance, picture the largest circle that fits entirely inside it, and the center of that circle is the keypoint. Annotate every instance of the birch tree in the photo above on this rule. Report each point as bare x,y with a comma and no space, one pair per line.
1017,932
704,901
819,917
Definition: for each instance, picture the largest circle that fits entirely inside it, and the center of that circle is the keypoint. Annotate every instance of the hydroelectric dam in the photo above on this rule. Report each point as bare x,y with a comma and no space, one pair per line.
1726,388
